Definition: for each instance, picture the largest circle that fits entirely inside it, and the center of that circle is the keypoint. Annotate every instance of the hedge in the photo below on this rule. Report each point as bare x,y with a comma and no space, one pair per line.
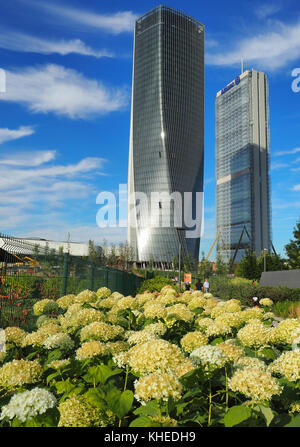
227,289
156,284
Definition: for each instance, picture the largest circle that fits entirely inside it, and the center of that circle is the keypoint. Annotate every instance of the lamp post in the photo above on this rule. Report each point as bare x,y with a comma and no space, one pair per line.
179,260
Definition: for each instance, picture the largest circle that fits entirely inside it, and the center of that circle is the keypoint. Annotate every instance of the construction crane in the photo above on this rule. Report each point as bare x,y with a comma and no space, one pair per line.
212,247
32,262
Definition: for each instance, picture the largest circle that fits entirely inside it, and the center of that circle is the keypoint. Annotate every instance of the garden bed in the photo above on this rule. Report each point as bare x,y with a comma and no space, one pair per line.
154,360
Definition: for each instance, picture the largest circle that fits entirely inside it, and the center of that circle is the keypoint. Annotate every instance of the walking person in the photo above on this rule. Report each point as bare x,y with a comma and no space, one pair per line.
206,286
199,285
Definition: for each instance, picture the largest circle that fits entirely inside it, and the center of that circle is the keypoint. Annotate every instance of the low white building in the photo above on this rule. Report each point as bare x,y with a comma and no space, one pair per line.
73,248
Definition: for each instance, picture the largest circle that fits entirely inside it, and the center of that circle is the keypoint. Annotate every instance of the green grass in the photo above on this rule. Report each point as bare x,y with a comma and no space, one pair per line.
282,308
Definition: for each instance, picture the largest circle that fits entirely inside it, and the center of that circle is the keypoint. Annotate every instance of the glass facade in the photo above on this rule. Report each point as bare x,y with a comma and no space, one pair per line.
242,165
167,125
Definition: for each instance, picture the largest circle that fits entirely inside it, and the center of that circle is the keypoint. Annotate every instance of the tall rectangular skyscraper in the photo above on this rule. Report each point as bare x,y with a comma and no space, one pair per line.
167,126
242,165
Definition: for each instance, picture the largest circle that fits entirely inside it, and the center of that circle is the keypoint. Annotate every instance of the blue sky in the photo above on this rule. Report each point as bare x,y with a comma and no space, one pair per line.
64,119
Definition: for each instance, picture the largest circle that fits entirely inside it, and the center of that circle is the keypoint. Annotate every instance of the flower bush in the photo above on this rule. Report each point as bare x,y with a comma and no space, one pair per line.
159,359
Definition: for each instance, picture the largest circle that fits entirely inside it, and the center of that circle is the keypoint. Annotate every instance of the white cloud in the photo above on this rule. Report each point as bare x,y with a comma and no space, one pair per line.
13,40
271,49
289,152
36,193
267,10
114,23
34,158
286,205
14,134
275,166
16,177
296,187
78,233
63,91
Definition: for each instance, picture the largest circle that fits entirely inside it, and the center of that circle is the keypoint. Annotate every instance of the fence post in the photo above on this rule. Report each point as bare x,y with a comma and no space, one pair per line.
106,277
65,274
92,269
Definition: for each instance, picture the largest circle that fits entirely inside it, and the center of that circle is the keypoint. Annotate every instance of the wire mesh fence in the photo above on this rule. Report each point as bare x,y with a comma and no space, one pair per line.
29,273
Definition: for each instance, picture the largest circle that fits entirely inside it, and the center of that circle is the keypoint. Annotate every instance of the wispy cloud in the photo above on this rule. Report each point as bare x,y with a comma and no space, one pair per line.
114,23
63,91
288,152
38,189
286,205
35,158
14,134
266,10
267,50
13,177
78,233
275,166
16,41
296,187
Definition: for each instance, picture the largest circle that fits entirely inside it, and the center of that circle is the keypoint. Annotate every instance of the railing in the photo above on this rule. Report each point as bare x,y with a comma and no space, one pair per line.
29,273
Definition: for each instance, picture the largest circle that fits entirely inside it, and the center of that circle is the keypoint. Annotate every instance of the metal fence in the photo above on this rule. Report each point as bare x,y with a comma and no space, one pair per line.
29,272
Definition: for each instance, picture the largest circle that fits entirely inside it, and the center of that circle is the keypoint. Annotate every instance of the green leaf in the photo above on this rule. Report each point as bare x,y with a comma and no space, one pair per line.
120,402
150,409
198,310
295,422
17,423
51,377
54,355
64,386
96,397
237,414
32,355
268,353
267,413
100,374
142,421
216,341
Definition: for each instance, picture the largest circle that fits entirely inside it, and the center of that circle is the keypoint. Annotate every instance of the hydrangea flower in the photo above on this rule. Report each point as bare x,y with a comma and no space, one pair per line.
28,404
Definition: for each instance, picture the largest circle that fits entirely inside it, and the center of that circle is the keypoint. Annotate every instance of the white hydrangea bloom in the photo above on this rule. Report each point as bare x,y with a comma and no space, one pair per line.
60,341
28,404
210,357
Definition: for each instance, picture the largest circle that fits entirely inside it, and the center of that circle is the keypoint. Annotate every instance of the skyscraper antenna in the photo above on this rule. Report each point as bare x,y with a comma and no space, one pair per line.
242,65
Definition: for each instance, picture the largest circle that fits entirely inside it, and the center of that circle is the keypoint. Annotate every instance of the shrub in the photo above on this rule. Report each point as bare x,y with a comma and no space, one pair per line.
156,284
243,290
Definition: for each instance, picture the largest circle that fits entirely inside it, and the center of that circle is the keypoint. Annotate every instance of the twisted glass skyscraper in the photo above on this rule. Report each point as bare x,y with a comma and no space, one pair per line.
167,126
242,165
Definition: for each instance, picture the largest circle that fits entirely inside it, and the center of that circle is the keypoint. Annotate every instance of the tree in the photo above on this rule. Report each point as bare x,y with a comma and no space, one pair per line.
151,261
61,256
205,267
121,261
46,249
273,263
93,253
247,267
112,257
293,248
175,262
104,254
36,250
221,267
230,266
187,263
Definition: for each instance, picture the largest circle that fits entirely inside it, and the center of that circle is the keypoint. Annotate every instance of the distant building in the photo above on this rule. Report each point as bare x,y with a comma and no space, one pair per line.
73,248
242,165
167,128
